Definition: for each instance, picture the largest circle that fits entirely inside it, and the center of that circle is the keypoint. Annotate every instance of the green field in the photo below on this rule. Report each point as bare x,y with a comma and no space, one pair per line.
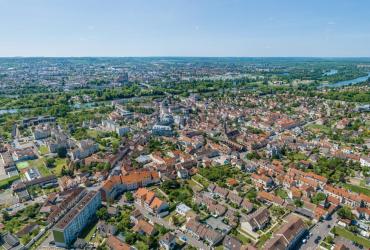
59,163
22,165
44,150
357,189
7,182
322,128
39,164
351,236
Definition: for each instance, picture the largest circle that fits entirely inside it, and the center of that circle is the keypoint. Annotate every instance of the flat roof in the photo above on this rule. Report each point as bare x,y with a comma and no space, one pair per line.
63,223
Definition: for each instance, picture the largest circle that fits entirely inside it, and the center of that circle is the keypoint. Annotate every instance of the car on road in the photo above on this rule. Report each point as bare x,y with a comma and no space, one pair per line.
317,240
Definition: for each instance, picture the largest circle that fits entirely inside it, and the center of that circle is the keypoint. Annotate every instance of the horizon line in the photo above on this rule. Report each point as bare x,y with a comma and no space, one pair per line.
179,56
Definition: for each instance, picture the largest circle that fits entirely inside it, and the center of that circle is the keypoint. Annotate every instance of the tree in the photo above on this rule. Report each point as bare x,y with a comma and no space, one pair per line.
102,213
345,213
129,196
175,220
252,195
62,152
50,162
329,239
170,184
6,216
298,203
277,211
318,198
130,238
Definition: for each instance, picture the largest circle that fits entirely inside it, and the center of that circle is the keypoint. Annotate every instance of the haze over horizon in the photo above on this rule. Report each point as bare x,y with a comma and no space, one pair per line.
211,28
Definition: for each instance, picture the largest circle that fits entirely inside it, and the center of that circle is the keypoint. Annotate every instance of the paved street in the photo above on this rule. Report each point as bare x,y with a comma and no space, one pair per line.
320,229
19,206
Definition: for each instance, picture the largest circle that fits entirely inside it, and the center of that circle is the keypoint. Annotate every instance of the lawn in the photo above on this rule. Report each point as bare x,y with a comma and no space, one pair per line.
351,236
88,231
44,171
263,239
44,150
201,180
358,189
92,133
316,127
7,182
22,165
282,193
40,165
59,163
194,185
245,240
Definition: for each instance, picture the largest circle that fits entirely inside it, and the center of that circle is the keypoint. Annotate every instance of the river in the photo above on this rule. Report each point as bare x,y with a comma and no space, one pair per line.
92,104
346,83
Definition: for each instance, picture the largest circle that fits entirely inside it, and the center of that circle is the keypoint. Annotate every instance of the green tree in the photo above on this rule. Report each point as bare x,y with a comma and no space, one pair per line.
62,152
316,199
129,196
345,213
102,213
130,238
50,162
6,216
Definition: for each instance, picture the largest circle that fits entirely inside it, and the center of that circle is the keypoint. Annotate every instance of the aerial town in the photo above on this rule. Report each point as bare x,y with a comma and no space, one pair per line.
145,160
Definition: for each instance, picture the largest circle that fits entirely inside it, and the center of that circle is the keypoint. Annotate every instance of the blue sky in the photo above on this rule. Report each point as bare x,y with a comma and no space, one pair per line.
184,28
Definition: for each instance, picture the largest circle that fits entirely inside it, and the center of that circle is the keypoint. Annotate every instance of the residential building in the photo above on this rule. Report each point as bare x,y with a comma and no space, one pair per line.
85,149
168,241
149,201
71,225
144,227
230,243
116,244
257,220
115,185
200,231
289,235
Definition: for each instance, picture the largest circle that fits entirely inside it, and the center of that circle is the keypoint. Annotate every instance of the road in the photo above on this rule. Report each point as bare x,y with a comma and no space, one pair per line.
190,239
320,229
22,205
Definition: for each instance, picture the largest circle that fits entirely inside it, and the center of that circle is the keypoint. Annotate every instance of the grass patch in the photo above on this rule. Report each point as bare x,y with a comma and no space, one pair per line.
141,245
59,164
194,185
22,165
245,240
203,181
351,236
39,164
357,189
39,241
263,240
317,127
89,230
44,171
7,182
43,150
281,193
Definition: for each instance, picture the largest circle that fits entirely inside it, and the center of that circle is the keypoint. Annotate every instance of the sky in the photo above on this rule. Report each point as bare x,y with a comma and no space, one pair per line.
264,28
